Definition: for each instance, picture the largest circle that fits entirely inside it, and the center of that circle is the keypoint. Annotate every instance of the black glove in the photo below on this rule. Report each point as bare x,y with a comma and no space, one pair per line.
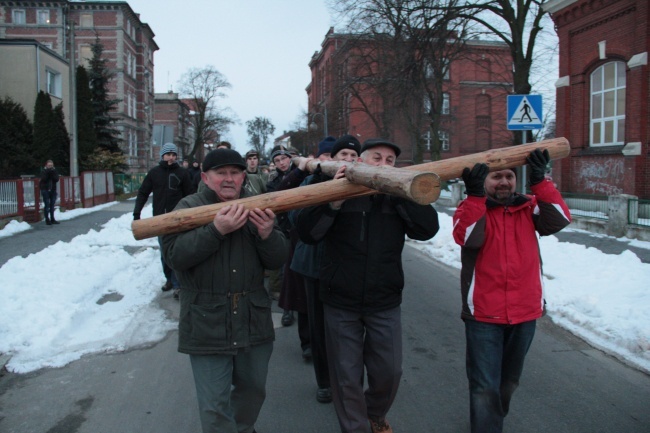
537,161
475,179
136,216
318,176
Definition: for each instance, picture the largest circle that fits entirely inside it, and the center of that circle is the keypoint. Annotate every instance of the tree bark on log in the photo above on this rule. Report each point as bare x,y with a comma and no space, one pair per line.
340,189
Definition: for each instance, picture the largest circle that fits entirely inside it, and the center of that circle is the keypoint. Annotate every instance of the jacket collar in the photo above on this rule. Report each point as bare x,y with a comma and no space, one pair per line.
516,200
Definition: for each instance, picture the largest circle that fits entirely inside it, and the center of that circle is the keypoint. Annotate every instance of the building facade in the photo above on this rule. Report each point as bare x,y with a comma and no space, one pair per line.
473,114
40,69
172,124
602,95
69,29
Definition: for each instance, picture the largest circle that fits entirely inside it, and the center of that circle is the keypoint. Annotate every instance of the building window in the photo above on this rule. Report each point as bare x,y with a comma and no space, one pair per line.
608,105
43,16
443,136
18,16
445,103
85,56
86,20
53,83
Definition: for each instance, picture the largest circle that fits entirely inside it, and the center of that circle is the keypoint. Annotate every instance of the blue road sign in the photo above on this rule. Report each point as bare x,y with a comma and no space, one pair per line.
524,112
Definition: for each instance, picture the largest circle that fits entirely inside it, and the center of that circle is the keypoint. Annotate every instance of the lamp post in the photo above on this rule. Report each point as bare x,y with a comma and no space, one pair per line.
313,126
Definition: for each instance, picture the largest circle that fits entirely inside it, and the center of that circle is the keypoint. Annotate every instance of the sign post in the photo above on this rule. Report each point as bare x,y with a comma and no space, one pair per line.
524,114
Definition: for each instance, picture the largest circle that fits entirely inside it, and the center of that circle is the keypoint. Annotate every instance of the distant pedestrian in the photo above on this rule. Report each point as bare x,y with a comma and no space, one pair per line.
225,322
501,279
195,175
169,183
255,180
47,185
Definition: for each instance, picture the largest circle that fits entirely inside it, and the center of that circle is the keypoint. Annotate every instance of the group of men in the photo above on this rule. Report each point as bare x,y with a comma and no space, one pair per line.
349,255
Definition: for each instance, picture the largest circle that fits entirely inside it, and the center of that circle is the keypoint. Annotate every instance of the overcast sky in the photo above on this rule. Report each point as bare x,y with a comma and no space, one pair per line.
262,47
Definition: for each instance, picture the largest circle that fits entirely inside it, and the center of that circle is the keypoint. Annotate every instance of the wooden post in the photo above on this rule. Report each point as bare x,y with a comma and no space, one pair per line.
340,189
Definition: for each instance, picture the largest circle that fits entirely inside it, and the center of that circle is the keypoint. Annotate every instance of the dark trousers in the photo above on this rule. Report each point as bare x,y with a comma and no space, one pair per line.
354,341
317,333
231,388
169,272
49,200
494,361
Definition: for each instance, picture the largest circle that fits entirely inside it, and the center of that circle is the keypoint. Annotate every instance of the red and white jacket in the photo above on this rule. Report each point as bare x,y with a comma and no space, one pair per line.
501,276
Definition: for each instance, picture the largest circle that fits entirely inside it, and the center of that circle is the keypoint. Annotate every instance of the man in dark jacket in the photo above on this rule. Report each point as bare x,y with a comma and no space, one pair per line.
47,185
361,282
501,279
169,183
225,320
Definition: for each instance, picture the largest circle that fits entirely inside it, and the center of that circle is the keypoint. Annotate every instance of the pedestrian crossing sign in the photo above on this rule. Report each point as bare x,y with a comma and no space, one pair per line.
524,112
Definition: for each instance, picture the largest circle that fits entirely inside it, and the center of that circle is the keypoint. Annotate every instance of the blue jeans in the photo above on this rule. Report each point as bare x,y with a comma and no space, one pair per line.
49,199
231,388
494,361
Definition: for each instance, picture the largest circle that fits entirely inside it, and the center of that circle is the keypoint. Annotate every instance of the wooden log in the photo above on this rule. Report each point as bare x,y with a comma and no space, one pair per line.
340,189
418,186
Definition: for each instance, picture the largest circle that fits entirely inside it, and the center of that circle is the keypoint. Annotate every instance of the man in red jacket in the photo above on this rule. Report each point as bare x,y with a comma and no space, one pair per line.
501,279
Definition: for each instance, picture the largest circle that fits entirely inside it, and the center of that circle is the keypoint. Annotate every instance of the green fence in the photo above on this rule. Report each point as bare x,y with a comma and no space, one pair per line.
128,183
638,212
587,205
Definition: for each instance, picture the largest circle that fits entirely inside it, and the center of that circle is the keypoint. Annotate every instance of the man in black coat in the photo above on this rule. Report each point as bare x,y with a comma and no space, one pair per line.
47,185
169,183
361,281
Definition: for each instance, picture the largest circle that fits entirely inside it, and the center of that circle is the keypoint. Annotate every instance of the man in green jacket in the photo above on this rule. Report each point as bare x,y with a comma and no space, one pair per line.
225,317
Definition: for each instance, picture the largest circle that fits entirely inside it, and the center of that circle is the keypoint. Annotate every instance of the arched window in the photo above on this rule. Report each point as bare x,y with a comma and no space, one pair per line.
607,125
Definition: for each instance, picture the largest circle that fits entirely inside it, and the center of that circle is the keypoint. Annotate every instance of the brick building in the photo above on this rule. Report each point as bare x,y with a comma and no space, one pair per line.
172,124
602,95
129,47
473,115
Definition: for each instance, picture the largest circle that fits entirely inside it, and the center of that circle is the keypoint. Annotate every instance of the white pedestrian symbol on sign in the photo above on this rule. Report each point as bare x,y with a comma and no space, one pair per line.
524,114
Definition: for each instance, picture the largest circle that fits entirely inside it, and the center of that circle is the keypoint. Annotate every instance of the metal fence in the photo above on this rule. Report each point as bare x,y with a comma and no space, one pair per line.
22,197
638,212
128,183
586,205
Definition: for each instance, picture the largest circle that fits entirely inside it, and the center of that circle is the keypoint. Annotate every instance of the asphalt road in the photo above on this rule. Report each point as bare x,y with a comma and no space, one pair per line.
567,385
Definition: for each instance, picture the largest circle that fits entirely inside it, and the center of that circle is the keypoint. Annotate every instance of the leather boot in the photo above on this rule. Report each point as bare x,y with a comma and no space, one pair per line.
53,220
47,221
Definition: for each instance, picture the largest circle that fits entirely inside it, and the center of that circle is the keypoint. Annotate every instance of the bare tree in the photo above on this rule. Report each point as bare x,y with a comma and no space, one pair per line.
519,25
400,56
259,130
205,88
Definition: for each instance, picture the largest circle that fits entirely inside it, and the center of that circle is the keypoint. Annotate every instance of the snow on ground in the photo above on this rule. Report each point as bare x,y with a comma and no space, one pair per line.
66,308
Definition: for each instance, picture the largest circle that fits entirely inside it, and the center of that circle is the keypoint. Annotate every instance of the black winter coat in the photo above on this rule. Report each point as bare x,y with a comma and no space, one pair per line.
361,268
169,184
49,178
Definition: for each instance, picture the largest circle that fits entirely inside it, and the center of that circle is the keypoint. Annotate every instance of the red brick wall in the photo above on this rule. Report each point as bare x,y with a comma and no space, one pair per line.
624,25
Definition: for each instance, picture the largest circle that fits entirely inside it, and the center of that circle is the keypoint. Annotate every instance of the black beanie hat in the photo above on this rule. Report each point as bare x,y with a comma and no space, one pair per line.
346,142
221,157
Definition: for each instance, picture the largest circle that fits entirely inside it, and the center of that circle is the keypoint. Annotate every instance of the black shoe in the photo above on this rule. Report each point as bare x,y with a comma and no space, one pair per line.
287,318
177,293
324,395
306,354
48,222
167,286
55,221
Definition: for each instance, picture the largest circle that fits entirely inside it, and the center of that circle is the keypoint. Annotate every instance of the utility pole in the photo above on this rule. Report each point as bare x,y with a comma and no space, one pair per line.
74,144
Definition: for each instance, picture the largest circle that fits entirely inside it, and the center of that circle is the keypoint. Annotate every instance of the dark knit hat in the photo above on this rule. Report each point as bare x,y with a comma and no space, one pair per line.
279,150
168,148
346,142
221,157
251,152
374,142
326,145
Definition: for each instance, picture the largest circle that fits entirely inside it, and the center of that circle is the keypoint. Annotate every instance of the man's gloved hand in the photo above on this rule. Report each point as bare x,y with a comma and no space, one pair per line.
537,160
136,216
475,179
